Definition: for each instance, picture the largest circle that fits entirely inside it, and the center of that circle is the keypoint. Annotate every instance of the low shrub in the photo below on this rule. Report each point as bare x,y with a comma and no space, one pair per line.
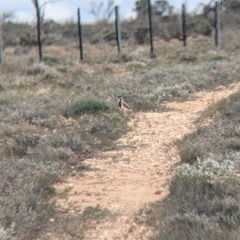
50,60
25,188
141,35
186,55
88,106
108,35
28,40
121,58
204,27
203,201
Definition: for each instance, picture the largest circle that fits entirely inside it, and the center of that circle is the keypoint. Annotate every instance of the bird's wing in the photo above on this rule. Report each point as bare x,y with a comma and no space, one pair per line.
126,105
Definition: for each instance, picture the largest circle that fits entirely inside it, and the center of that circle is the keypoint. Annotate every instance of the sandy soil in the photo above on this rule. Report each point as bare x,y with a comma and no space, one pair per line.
140,170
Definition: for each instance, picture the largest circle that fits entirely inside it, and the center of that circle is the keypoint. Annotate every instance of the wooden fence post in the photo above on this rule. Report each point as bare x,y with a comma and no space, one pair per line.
80,34
39,30
217,24
150,27
184,25
118,29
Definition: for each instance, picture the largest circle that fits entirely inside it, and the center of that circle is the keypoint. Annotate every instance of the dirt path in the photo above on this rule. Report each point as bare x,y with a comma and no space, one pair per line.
140,171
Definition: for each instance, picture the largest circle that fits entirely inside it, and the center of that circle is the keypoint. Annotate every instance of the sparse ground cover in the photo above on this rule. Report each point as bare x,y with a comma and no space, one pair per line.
56,114
204,194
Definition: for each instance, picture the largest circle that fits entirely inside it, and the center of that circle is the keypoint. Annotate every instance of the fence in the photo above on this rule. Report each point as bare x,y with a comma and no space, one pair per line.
184,34
118,31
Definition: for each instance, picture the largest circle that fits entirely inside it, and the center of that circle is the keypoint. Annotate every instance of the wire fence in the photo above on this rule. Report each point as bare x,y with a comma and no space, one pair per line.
143,28
150,28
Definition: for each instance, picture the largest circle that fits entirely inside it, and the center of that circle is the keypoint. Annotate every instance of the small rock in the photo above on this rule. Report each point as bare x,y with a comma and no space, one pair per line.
158,192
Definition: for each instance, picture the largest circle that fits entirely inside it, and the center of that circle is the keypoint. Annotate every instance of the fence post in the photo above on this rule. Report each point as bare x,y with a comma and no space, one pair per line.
184,25
118,29
39,30
80,34
1,38
150,27
216,23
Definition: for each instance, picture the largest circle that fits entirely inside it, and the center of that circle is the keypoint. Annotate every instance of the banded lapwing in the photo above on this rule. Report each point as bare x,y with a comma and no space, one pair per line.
122,104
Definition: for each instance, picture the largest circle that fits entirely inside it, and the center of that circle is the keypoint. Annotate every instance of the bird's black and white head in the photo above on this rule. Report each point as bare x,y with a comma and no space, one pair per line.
123,104
120,101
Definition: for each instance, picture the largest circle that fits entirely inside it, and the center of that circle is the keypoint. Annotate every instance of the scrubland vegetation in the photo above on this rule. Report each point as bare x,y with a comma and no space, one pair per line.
57,113
204,195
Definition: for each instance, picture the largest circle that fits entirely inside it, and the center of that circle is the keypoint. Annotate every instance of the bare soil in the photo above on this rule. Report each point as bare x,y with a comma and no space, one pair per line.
140,170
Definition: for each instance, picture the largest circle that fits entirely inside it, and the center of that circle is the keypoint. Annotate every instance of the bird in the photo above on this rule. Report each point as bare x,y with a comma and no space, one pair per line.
123,104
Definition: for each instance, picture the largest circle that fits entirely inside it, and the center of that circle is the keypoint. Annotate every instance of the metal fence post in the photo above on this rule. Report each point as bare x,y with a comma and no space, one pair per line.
184,25
118,29
80,34
1,38
39,30
217,24
150,27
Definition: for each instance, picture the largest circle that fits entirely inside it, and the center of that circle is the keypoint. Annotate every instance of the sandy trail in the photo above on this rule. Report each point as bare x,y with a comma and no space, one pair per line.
141,170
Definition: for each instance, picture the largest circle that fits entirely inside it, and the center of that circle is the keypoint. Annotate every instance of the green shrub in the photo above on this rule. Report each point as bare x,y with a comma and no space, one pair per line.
110,35
189,153
204,28
28,40
141,35
124,35
202,203
88,106
186,55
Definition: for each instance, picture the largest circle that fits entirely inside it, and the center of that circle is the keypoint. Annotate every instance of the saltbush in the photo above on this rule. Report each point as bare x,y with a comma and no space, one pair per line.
88,106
